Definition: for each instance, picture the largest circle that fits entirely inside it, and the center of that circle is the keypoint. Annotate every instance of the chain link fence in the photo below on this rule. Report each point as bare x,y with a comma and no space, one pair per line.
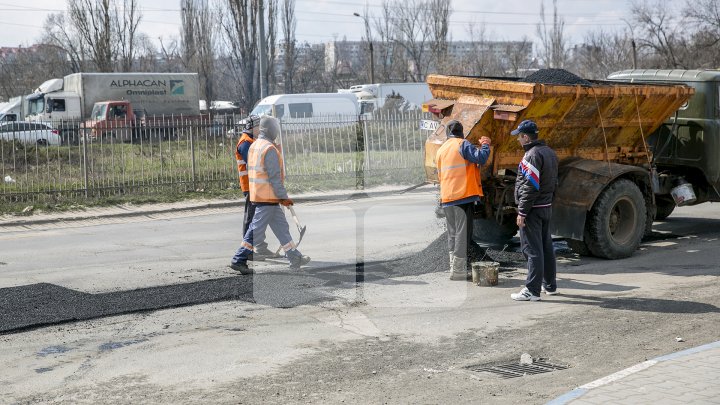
183,154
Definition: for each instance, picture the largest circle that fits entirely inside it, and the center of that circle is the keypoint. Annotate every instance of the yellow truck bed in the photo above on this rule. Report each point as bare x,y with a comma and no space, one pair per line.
605,121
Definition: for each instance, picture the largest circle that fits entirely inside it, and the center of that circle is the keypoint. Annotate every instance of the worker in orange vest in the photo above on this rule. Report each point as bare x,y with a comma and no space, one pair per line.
458,168
267,192
247,137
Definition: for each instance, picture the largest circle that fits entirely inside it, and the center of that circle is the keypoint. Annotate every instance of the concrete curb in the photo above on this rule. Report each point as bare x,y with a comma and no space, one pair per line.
582,390
179,207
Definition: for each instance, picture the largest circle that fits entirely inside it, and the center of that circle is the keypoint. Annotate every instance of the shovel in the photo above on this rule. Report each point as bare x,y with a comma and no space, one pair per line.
300,228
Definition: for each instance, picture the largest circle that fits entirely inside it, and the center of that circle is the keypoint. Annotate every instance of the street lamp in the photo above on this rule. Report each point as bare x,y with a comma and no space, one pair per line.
370,46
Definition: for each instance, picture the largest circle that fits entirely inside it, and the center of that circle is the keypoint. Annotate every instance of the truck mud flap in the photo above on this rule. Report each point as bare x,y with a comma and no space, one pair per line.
580,182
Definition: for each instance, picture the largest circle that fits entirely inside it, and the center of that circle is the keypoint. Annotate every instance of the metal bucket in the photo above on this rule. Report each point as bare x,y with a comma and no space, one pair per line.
683,194
485,273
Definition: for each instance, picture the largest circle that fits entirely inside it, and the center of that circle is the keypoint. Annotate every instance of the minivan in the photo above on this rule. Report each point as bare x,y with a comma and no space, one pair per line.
318,109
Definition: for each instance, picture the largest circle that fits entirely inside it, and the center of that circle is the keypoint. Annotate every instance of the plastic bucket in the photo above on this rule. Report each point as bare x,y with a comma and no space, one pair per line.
485,273
683,194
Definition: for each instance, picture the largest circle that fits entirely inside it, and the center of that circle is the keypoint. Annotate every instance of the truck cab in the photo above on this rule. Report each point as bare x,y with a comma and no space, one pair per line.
115,119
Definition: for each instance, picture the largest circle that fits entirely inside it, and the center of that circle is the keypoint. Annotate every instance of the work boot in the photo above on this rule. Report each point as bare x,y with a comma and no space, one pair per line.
241,267
297,259
262,252
459,269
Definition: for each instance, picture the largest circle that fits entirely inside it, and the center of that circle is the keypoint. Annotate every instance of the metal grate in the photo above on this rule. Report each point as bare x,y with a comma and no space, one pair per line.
514,370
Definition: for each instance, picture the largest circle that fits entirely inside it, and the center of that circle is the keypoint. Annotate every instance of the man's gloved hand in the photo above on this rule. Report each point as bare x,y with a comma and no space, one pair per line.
286,202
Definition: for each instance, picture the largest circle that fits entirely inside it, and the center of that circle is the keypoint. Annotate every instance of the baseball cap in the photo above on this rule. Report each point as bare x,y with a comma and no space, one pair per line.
250,122
526,127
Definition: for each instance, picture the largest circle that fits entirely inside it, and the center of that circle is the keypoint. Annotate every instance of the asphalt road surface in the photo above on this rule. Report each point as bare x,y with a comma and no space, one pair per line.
145,309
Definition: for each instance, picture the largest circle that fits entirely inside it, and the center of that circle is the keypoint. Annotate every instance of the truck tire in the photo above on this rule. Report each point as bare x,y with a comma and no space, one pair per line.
616,222
579,247
490,231
665,207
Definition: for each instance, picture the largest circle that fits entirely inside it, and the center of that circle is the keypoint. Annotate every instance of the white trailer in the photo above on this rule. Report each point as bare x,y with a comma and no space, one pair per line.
408,96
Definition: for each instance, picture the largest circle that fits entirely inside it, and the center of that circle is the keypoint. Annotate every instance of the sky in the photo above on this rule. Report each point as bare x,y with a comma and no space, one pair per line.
322,20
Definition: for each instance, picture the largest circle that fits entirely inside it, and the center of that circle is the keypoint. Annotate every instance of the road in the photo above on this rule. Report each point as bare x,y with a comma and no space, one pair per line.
144,309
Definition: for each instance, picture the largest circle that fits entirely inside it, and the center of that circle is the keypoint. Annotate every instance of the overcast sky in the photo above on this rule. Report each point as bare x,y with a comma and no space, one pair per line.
321,20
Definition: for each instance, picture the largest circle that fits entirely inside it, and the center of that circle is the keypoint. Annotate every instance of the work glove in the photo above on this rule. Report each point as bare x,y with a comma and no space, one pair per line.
286,202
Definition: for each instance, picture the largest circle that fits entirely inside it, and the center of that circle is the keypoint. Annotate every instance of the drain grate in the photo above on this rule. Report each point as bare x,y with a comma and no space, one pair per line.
514,370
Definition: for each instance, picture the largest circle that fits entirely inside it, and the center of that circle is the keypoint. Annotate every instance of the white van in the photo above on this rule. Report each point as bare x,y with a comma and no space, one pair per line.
323,109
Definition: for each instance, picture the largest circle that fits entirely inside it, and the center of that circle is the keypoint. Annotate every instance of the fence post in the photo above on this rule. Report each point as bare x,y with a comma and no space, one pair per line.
360,154
192,154
85,159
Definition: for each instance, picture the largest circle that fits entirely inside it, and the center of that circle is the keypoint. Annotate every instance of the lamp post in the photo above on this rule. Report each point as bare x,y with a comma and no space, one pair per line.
370,47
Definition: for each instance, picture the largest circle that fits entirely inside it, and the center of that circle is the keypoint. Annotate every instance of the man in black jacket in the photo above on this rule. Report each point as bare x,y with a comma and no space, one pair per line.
534,190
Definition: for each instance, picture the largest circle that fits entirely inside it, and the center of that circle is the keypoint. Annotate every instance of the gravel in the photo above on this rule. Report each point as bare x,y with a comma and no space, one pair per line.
556,76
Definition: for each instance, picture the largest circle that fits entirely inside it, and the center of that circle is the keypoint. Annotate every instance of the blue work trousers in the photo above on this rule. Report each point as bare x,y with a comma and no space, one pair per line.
266,215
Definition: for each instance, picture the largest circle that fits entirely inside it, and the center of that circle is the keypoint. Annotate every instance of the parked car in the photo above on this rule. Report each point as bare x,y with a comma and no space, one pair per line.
29,133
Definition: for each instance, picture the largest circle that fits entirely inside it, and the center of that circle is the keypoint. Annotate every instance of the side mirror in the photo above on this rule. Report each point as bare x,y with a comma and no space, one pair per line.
48,108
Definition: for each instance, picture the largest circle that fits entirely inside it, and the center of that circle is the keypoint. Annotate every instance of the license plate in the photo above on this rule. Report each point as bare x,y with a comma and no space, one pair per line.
429,125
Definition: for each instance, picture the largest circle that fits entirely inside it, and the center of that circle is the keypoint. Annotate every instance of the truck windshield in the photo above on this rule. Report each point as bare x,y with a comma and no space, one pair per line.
262,109
98,112
37,106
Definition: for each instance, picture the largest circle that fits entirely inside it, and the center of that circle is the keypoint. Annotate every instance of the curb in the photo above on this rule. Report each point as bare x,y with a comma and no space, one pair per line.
583,389
209,205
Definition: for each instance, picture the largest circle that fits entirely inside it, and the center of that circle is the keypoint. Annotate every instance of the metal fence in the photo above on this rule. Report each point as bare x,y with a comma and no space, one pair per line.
197,154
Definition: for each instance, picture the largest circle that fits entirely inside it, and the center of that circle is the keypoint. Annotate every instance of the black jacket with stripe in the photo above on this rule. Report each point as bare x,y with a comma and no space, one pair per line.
536,178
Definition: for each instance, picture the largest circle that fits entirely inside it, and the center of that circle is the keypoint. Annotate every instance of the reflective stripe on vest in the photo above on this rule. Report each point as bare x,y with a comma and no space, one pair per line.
241,164
459,178
260,187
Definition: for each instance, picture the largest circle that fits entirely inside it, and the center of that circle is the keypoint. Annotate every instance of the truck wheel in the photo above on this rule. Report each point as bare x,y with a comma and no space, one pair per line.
665,207
489,231
616,223
579,247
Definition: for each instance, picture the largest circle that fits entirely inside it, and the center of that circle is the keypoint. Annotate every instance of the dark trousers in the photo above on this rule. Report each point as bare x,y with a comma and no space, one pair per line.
536,245
459,228
249,213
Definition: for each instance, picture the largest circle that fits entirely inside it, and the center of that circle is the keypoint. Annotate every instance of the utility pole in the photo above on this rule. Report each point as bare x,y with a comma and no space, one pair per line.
263,50
370,47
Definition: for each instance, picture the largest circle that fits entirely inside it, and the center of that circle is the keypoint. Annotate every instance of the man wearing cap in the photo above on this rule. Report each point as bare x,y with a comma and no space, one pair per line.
458,164
267,193
247,137
534,190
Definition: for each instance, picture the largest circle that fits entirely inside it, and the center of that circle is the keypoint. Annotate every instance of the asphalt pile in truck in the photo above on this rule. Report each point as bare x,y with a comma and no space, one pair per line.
555,76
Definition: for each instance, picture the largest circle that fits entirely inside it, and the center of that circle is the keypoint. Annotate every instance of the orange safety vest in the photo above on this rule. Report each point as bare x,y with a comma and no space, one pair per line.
459,178
242,164
260,188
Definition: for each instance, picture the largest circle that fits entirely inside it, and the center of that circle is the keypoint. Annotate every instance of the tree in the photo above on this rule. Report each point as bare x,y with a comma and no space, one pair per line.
287,16
413,32
554,44
239,28
437,15
198,44
390,65
93,23
659,36
125,30
601,54
705,16
97,35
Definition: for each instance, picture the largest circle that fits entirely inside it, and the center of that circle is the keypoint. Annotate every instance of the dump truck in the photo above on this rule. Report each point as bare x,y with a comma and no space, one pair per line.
631,148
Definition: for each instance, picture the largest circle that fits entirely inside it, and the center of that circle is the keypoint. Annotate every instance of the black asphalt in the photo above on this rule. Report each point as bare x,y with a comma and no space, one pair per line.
37,305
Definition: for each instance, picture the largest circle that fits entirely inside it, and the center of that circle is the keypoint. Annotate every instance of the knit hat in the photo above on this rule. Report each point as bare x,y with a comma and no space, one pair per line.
270,127
455,129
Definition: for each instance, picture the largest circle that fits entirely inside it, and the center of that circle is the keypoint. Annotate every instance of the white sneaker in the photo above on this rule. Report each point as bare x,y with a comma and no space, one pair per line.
525,295
544,290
